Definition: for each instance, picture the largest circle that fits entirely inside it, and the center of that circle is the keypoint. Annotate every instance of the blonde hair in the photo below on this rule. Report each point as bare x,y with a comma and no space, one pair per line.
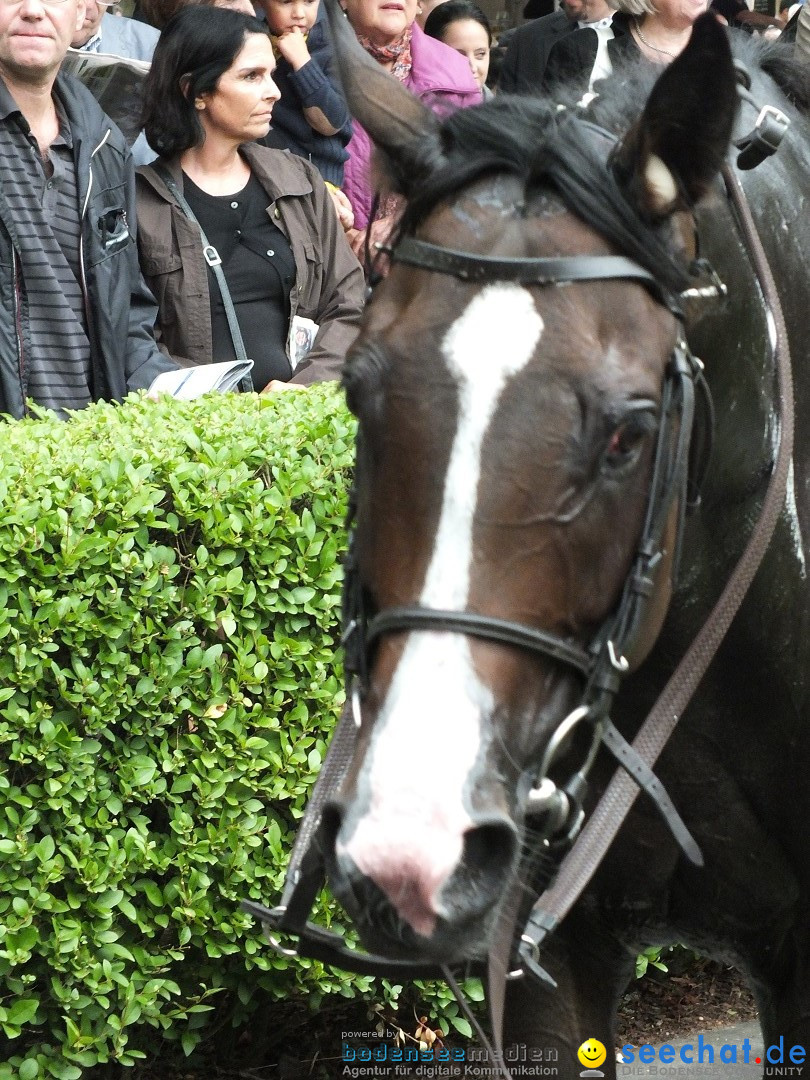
640,8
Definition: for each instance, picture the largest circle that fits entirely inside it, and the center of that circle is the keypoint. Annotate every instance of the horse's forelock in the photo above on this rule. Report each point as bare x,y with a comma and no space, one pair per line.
546,146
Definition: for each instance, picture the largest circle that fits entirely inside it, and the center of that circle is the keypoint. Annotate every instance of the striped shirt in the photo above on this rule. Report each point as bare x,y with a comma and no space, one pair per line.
43,200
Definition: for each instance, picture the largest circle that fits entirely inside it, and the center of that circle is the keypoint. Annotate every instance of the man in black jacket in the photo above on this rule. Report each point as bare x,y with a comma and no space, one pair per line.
75,316
525,62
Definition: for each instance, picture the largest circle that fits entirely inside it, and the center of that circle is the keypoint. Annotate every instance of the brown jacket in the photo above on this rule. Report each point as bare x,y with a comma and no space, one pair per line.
329,286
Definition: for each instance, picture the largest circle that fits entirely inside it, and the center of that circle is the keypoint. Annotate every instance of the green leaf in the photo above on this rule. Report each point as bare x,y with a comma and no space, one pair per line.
63,1070
45,848
474,989
233,578
22,1011
188,1040
462,1025
153,892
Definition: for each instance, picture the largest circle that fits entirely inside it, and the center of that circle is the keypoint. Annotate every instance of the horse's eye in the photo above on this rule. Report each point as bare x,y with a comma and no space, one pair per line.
624,445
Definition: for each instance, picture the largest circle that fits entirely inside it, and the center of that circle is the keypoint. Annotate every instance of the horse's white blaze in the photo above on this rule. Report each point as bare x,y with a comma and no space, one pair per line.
490,343
428,733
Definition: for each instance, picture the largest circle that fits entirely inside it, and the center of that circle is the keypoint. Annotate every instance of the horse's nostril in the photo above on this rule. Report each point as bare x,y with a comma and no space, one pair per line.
490,852
492,843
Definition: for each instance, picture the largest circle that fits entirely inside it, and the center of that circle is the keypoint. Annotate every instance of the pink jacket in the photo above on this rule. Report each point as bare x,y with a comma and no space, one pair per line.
441,78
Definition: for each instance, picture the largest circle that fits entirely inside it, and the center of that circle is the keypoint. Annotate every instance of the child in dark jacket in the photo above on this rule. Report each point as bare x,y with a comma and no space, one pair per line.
311,119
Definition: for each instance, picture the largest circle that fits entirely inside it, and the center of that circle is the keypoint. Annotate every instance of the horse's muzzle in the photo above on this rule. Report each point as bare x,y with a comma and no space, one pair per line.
412,892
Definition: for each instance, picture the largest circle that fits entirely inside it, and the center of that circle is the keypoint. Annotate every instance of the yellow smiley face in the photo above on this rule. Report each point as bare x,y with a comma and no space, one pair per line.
591,1054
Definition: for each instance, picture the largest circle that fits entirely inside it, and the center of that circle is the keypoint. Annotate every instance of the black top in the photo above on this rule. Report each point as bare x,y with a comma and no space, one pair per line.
258,265
571,60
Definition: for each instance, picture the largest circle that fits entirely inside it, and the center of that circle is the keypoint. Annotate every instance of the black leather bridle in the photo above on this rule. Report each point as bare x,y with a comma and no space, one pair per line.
600,664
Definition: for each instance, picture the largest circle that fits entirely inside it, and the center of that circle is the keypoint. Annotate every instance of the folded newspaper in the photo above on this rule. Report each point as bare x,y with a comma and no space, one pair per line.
115,82
192,382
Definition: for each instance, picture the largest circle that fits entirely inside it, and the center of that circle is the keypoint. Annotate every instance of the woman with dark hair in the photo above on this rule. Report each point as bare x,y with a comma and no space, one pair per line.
215,203
463,26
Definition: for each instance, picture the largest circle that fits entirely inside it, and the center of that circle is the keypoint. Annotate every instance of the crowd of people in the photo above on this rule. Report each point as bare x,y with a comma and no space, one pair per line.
253,197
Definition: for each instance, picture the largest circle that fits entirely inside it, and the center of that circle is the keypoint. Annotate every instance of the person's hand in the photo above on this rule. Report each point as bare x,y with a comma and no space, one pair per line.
378,232
293,47
357,242
276,386
343,208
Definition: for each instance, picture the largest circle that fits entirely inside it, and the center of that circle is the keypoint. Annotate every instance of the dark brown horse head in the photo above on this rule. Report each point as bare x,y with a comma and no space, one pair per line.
507,434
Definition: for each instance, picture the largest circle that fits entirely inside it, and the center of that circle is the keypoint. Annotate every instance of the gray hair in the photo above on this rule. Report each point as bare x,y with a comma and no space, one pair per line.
640,8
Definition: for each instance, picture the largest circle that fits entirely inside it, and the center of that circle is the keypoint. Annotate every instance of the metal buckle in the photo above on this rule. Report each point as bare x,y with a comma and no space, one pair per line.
211,255
563,730
706,292
529,951
619,663
274,943
357,714
782,123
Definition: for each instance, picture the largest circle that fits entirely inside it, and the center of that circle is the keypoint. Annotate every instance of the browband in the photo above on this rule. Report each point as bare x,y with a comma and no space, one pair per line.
528,271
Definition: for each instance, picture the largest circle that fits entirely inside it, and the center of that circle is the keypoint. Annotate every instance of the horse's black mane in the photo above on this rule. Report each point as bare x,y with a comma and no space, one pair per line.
776,60
545,144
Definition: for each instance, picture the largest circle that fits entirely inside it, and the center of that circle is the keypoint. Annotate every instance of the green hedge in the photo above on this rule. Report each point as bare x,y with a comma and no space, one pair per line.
169,608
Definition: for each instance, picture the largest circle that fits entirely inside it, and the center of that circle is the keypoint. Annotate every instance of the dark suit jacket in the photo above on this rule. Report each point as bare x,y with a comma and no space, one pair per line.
570,62
525,62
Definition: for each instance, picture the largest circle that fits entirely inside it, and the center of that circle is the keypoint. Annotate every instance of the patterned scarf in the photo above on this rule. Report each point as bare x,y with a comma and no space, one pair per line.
399,51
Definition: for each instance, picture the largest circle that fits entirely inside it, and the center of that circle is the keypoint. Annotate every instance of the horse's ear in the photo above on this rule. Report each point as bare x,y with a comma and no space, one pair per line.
671,155
399,124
